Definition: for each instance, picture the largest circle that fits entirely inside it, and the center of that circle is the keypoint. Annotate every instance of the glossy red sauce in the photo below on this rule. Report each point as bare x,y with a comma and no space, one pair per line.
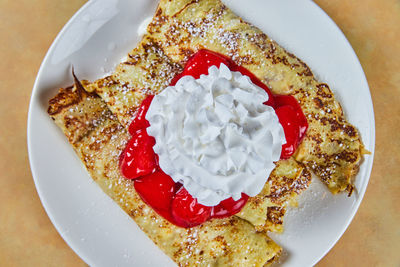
171,200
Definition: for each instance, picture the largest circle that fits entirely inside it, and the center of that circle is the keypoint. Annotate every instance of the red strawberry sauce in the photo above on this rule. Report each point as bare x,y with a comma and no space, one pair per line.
171,200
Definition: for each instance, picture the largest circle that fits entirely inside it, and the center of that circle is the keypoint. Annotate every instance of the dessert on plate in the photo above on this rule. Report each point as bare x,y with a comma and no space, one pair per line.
206,133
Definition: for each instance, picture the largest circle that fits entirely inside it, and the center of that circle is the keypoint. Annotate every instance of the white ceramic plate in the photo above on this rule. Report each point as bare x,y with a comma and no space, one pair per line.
96,39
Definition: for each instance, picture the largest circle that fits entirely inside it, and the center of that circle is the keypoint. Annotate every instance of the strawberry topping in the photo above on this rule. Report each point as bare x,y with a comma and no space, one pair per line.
229,206
288,100
138,158
140,122
187,211
287,118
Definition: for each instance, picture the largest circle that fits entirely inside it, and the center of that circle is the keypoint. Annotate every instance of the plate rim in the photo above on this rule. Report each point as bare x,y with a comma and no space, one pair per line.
41,194
372,133
34,93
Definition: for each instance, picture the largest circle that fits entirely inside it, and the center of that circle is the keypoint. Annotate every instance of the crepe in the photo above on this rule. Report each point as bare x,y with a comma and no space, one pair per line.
332,148
98,138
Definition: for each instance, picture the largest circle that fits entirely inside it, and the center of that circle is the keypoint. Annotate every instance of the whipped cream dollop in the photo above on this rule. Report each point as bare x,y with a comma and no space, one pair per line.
215,136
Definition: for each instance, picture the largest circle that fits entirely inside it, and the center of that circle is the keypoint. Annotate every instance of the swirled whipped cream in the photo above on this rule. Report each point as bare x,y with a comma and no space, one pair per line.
215,136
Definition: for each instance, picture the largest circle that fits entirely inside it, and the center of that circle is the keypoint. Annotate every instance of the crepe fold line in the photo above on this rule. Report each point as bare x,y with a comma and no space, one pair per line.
220,242
332,148
147,71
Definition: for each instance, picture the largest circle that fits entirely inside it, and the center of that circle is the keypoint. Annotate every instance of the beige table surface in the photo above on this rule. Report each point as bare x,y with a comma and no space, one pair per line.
28,27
